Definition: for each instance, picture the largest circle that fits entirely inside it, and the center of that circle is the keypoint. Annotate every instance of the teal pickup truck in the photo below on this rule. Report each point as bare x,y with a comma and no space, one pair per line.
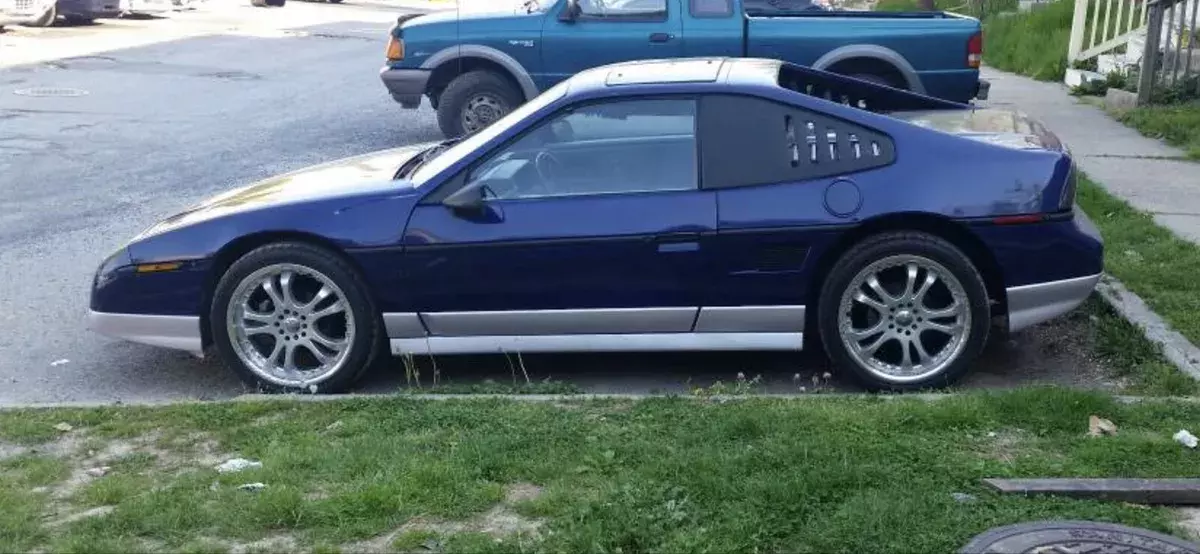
476,66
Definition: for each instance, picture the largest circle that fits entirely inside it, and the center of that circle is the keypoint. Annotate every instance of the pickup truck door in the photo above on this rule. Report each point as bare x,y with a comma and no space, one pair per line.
608,31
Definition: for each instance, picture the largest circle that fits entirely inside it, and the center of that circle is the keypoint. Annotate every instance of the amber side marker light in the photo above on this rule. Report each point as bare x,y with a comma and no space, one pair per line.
159,267
395,49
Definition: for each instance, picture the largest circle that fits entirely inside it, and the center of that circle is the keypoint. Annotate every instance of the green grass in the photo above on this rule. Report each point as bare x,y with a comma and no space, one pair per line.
1178,125
1150,260
819,474
1133,358
1032,43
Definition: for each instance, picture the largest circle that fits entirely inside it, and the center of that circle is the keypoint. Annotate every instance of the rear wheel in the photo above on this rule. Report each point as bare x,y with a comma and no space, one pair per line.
904,311
78,20
291,317
473,101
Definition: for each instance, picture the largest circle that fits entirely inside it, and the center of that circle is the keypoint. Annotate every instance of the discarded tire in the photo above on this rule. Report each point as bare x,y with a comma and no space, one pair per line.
1075,537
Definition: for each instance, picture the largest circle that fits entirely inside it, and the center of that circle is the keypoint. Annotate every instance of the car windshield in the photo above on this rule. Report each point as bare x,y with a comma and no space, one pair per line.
434,165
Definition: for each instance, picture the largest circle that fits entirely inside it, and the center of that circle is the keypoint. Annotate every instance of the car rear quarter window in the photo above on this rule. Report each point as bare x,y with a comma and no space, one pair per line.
748,141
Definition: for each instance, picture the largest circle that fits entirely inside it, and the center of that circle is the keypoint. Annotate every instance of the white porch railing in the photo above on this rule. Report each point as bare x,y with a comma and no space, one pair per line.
1101,26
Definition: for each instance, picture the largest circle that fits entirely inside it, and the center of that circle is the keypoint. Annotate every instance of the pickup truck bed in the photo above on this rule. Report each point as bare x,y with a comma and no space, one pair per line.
475,67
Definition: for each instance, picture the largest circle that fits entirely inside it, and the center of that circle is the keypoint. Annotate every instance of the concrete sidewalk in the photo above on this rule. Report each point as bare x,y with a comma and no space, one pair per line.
1147,173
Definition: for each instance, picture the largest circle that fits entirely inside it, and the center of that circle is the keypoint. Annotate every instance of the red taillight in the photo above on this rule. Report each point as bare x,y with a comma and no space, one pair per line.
1019,219
975,50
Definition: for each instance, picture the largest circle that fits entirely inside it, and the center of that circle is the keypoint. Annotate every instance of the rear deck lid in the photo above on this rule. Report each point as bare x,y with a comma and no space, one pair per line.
998,126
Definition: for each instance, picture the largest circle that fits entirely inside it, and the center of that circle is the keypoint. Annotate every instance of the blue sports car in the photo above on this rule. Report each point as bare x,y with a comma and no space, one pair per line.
694,204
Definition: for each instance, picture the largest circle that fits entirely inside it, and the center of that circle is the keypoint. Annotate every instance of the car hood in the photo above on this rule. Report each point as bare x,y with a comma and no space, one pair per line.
1001,127
501,10
347,178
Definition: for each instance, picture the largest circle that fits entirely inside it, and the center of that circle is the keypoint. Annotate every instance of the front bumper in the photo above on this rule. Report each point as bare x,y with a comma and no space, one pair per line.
166,331
406,86
982,88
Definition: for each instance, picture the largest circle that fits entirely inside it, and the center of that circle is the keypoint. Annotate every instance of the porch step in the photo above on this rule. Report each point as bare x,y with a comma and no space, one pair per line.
1077,77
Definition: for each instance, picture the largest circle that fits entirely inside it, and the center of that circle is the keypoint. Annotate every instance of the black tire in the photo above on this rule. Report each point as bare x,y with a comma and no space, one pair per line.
78,20
335,1
367,344
276,3
467,87
47,19
880,247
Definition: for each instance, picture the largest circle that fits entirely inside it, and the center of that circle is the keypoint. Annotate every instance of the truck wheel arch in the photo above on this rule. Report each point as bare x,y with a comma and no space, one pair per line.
453,61
872,54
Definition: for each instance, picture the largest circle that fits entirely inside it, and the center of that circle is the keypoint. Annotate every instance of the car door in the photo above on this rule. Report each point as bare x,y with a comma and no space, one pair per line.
608,31
591,225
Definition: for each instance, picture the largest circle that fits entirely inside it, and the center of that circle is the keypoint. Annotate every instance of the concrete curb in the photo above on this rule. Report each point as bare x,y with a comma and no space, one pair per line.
1175,347
546,398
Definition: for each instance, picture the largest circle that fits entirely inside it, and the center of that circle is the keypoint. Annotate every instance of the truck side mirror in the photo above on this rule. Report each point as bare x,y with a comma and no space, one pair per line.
570,12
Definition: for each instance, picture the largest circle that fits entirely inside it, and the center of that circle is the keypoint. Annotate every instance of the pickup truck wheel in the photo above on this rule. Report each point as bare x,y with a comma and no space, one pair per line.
904,311
473,101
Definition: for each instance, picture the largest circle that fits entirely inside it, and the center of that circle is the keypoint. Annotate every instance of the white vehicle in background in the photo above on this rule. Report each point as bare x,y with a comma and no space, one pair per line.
36,13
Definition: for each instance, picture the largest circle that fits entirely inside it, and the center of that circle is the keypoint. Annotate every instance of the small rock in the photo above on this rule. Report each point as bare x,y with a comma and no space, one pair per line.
803,389
1186,438
963,498
826,376
215,486
335,425
98,471
57,363
991,434
1098,426
237,464
64,427
252,487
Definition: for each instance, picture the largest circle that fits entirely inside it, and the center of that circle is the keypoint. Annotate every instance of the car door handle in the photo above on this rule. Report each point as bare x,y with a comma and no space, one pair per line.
661,37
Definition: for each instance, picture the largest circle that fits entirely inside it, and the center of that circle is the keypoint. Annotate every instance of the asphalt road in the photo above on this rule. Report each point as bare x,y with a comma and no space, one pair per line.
139,128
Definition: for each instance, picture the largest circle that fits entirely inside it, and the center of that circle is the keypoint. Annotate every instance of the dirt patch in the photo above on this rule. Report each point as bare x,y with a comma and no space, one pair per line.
500,521
1189,521
1004,446
1060,352
521,492
8,450
99,511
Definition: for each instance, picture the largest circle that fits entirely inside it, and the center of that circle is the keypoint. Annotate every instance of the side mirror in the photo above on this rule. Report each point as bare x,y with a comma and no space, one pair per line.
570,12
470,198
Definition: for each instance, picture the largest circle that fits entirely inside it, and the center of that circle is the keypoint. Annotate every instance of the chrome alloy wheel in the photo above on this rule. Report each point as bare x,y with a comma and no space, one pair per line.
482,110
290,325
904,318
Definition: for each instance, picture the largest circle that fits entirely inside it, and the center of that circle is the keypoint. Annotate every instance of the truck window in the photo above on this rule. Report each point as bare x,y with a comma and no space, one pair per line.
711,8
747,141
623,10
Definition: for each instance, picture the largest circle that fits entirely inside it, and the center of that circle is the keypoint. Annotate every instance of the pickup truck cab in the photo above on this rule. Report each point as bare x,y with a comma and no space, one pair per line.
476,66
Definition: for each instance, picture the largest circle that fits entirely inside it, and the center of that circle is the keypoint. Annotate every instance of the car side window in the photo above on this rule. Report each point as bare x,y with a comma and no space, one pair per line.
751,141
623,9
711,8
627,146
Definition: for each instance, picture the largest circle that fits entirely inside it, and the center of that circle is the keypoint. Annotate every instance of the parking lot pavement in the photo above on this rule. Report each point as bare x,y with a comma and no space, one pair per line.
25,45
127,136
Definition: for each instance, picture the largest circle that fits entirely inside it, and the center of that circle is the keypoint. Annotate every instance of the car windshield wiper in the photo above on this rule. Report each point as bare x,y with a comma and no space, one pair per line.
415,163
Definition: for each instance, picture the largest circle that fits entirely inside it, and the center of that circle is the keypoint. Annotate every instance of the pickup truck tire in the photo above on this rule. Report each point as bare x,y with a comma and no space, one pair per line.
475,100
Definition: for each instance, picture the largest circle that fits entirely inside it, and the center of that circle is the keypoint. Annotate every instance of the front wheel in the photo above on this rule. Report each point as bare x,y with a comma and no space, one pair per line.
291,317
473,101
904,311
